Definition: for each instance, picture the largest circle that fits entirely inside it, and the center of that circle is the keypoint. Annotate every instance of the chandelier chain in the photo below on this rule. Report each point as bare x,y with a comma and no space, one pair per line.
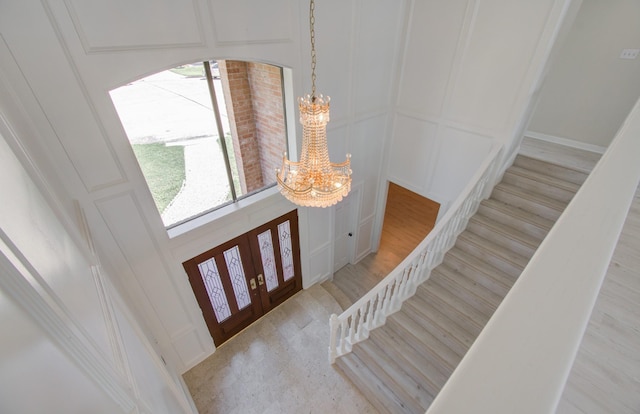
312,20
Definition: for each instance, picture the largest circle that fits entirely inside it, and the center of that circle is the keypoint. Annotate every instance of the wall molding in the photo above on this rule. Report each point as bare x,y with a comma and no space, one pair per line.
567,142
91,49
55,321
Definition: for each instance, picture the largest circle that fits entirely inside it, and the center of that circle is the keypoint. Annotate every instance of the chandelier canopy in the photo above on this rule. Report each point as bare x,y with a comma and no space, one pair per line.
314,181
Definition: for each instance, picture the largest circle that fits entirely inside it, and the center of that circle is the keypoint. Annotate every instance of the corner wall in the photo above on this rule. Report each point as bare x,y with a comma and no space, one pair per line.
468,75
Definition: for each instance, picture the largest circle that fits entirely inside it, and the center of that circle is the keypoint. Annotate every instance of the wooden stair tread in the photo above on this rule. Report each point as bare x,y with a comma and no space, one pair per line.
472,267
487,247
414,362
531,200
555,170
504,235
467,316
414,398
543,178
411,357
374,390
422,341
483,299
449,332
518,214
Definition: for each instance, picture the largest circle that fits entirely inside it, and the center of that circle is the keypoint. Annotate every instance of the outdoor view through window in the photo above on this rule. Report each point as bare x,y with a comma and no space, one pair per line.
174,128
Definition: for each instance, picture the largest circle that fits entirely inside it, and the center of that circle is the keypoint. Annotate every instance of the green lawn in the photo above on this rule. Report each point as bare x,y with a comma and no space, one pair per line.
190,71
163,168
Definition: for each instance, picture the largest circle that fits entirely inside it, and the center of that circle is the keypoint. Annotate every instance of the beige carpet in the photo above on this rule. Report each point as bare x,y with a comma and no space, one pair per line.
278,365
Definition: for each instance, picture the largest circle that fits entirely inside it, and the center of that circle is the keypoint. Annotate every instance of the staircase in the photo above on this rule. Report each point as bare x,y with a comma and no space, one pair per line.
405,363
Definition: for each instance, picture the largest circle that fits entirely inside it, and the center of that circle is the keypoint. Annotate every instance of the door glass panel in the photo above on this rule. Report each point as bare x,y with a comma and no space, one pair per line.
284,234
238,280
268,260
213,284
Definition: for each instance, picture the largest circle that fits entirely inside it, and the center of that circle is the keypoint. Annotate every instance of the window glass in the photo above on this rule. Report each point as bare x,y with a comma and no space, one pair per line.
175,119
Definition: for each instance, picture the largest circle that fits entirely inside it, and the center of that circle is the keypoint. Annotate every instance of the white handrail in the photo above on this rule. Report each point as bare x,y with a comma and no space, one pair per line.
371,311
523,356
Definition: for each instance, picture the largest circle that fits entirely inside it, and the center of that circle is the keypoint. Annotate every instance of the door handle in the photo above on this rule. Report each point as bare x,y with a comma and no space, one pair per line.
252,282
260,280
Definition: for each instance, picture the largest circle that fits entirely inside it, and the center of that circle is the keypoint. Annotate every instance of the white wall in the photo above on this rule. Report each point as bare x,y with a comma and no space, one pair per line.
589,90
58,60
468,73
68,342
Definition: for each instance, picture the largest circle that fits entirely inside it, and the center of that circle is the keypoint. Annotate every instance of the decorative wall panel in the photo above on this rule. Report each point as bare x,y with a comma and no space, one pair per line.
126,222
378,25
247,21
411,152
461,153
431,49
499,47
122,25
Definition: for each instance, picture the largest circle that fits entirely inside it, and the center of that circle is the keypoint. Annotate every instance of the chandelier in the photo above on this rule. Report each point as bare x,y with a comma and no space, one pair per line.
314,181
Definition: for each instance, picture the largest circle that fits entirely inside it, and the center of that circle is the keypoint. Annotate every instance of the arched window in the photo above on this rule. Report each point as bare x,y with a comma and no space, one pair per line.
205,134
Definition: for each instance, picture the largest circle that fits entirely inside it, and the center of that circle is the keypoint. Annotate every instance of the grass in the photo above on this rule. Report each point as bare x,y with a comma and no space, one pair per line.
163,168
190,71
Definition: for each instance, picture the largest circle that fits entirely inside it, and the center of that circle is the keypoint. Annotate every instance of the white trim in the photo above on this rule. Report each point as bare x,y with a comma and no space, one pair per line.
565,141
54,321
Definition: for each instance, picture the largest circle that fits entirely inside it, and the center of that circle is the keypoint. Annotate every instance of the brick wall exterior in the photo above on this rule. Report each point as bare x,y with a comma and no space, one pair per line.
266,89
253,96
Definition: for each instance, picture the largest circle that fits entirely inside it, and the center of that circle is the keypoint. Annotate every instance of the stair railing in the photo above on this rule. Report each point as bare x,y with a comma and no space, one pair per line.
371,311
527,349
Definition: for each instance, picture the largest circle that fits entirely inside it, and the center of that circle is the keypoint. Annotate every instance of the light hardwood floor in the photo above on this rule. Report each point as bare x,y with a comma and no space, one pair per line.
408,219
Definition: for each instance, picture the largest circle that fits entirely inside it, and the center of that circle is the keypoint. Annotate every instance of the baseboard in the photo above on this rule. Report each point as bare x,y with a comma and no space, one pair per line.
566,142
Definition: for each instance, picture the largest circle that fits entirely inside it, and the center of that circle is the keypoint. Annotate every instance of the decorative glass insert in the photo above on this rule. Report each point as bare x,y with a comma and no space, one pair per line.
284,233
215,290
238,279
268,260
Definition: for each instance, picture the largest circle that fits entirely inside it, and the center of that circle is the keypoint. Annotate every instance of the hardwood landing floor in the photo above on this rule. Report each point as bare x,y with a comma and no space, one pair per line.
408,219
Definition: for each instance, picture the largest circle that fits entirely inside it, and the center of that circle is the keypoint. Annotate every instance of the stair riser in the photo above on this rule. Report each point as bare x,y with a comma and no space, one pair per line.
507,267
529,184
531,206
520,225
500,239
557,171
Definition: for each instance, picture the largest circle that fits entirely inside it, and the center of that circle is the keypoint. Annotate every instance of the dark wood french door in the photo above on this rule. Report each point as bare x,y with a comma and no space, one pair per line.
241,280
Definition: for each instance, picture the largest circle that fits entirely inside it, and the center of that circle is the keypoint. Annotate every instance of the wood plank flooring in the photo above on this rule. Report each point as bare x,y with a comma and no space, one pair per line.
408,219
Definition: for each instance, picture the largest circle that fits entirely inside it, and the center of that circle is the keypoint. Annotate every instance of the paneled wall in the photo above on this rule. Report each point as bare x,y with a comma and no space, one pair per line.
469,69
69,343
60,58
589,90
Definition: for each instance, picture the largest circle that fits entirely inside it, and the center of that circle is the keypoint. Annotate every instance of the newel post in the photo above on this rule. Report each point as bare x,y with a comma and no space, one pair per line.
333,328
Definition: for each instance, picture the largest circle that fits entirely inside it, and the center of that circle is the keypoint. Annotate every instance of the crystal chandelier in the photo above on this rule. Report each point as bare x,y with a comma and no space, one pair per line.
314,181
